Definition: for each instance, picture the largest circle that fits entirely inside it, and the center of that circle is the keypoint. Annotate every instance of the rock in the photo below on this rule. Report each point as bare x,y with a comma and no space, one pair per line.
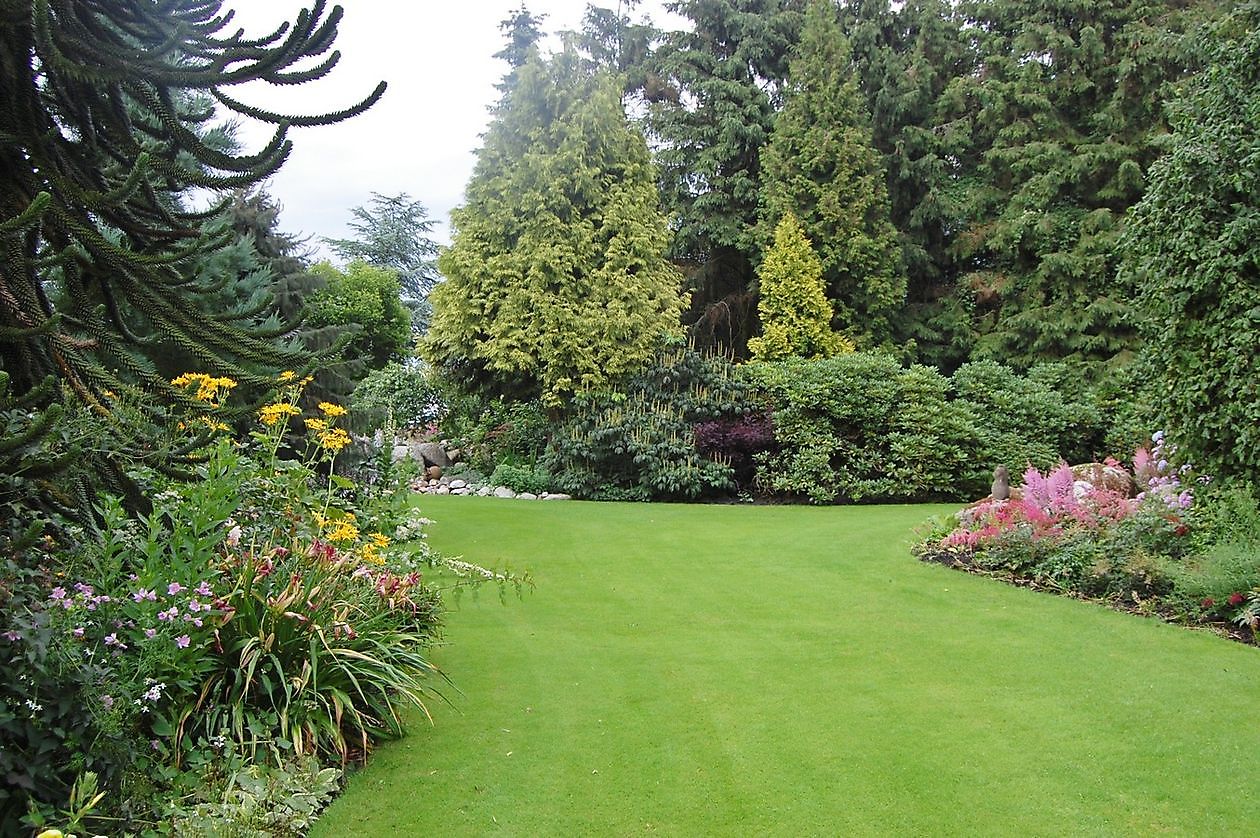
462,490
527,496
485,491
504,492
557,497
1001,484
458,484
1108,475
455,455
442,490
431,453
400,452
433,472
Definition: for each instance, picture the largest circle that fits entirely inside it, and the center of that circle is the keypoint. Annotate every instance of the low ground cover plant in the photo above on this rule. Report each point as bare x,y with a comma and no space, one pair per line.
1182,547
255,631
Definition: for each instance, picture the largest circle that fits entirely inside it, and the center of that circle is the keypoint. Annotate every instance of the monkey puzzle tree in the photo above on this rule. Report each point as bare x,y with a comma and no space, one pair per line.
103,104
556,279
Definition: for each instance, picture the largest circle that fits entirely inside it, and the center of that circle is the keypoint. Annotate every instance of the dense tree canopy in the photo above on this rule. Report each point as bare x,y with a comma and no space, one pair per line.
820,165
1192,248
556,278
710,120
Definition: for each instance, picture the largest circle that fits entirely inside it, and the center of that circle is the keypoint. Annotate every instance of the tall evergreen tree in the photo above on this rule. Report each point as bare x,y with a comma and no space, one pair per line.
396,232
100,143
821,167
522,31
1062,119
904,59
793,307
556,278
710,119
1192,247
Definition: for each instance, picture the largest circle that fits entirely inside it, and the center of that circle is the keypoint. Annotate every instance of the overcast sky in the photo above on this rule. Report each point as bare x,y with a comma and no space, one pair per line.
421,137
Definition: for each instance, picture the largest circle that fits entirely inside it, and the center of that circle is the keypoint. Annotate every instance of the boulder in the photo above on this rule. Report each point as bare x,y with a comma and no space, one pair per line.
431,453
504,492
442,490
1108,475
400,452
557,497
485,491
433,473
458,484
527,496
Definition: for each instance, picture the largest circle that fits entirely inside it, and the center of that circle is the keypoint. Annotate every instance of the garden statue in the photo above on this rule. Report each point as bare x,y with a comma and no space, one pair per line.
1001,484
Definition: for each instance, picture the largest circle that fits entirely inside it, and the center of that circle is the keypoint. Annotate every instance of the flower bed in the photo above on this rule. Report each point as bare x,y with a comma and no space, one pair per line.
1181,548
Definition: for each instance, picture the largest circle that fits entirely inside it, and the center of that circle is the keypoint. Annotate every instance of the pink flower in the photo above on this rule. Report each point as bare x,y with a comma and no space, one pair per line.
143,594
182,641
174,588
78,632
204,589
150,633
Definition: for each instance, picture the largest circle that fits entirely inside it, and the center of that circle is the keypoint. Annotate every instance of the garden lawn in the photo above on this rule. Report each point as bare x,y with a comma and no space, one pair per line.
734,670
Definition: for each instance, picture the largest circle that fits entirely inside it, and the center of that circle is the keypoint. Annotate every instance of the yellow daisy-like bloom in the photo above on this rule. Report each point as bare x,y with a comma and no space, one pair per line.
288,375
314,424
343,530
370,554
334,439
209,388
331,409
379,540
270,414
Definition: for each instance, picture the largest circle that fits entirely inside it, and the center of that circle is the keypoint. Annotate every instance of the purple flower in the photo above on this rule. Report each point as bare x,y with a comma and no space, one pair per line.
86,590
149,633
182,641
174,588
169,614
108,701
156,744
143,594
195,606
58,594
204,589
111,639
11,636
78,632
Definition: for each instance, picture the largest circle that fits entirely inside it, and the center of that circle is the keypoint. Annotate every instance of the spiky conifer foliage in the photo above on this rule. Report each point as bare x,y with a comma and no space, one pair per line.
795,313
556,280
100,142
821,167
712,110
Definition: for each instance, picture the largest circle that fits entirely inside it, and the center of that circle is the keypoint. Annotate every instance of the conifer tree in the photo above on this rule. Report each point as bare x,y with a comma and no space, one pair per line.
100,127
1061,121
820,165
795,314
904,57
556,278
710,117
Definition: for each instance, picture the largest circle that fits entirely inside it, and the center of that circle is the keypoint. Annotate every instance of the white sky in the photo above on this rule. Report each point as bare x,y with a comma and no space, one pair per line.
421,137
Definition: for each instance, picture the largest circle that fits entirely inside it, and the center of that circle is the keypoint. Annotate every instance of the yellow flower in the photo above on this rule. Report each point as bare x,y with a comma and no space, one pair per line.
270,414
288,375
209,388
379,540
334,439
50,833
343,530
332,409
315,424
